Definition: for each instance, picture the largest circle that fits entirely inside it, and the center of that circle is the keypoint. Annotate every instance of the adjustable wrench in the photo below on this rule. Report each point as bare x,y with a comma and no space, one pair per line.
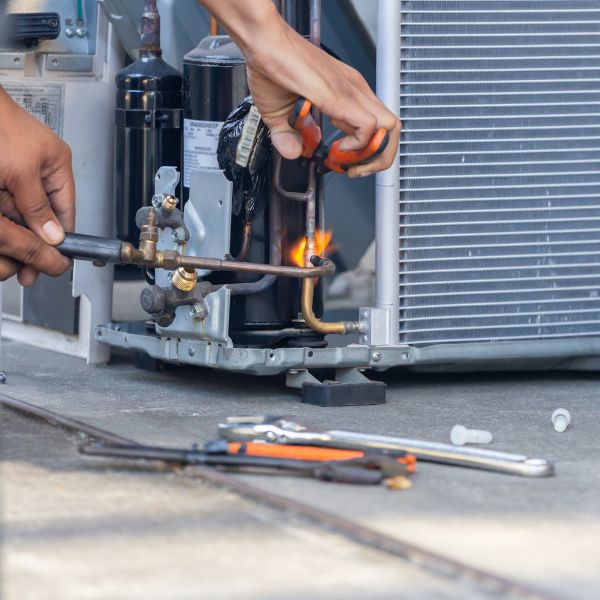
282,430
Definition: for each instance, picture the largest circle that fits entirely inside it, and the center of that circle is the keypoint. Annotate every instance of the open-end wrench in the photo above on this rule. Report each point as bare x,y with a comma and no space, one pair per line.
283,430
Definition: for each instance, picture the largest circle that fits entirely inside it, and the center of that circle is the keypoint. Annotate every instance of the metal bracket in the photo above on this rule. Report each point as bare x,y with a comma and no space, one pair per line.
166,181
350,376
12,60
296,378
75,63
377,326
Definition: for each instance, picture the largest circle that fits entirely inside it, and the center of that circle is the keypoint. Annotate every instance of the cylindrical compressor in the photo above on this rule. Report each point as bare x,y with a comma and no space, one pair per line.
214,83
148,119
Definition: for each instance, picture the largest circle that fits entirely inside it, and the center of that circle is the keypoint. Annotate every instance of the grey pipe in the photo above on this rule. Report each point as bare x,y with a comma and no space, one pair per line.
387,203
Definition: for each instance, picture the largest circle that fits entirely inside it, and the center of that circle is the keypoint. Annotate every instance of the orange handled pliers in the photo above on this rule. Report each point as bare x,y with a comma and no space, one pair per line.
328,154
310,453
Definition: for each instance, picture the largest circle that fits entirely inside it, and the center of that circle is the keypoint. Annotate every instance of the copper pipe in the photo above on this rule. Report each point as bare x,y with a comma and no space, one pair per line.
150,42
171,260
246,241
340,327
214,26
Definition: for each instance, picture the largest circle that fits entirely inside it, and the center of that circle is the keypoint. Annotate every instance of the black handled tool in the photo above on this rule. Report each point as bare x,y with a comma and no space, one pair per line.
91,247
325,471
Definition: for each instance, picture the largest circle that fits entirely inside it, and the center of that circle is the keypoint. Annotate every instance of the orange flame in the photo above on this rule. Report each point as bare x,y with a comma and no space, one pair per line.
322,242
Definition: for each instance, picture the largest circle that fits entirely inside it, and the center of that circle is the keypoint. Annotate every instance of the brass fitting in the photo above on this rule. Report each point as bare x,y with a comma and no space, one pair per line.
184,279
149,237
169,203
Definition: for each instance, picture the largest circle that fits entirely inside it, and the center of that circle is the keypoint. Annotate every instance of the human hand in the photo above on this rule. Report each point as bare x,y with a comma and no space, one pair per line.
284,66
37,196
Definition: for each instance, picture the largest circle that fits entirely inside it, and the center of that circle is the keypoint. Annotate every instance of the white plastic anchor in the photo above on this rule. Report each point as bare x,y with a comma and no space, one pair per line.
460,436
561,418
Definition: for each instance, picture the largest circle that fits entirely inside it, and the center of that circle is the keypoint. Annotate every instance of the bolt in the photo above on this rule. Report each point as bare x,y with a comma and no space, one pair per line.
376,356
178,235
561,418
157,199
69,32
3,378
362,339
191,351
81,32
198,311
460,436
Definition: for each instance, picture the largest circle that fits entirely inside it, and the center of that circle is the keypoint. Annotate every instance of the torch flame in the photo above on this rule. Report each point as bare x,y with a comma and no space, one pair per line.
322,242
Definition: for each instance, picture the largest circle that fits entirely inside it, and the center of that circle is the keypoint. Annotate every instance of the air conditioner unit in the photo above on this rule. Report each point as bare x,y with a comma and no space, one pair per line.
488,225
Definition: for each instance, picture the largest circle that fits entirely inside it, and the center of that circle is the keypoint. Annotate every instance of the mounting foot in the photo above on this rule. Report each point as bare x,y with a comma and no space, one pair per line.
350,388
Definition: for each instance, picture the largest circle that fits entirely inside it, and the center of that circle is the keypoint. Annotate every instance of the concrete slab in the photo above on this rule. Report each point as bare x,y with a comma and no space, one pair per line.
542,532
72,530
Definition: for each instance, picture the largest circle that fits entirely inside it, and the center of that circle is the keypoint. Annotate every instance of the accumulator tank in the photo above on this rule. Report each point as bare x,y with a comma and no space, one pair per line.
148,118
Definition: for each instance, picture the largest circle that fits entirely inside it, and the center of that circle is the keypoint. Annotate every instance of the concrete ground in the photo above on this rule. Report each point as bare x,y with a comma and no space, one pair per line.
88,528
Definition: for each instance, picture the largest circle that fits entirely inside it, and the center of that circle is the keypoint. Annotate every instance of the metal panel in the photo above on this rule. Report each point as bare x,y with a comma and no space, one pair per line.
500,170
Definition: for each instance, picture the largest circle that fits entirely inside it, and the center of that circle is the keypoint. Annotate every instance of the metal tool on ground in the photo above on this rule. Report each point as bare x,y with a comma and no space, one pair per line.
561,419
360,471
282,430
313,453
461,435
329,154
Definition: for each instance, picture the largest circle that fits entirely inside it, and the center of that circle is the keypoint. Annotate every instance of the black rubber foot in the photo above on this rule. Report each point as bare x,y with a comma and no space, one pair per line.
331,393
147,363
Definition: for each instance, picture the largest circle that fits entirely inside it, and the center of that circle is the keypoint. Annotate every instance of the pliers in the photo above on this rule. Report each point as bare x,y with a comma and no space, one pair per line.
327,154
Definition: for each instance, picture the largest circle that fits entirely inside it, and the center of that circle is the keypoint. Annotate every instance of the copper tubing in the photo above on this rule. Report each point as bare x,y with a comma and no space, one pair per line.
150,42
172,260
340,327
214,26
246,241
326,267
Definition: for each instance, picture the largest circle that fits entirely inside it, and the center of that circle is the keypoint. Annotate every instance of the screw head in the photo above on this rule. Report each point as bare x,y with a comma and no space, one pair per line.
81,32
178,235
191,351
198,311
376,356
69,32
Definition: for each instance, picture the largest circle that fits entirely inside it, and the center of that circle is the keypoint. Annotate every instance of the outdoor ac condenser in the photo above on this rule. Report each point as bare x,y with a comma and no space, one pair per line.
499,189
487,226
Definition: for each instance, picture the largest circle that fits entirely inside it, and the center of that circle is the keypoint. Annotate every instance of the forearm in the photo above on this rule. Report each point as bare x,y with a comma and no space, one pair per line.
247,21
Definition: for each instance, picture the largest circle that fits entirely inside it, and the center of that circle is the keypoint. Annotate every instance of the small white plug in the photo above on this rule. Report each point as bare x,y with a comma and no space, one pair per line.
460,436
561,418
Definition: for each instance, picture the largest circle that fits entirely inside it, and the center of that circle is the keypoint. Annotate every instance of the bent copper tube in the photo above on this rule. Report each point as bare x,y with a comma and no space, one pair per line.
246,241
340,327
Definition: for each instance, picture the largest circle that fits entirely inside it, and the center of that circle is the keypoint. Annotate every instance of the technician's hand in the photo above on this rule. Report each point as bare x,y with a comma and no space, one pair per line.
37,196
283,66
290,66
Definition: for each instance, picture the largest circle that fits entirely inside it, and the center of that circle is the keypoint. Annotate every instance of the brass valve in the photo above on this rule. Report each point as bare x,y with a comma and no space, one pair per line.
169,203
184,279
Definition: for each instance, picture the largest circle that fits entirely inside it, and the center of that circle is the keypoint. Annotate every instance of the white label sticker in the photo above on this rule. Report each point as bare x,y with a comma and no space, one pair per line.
200,141
44,102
